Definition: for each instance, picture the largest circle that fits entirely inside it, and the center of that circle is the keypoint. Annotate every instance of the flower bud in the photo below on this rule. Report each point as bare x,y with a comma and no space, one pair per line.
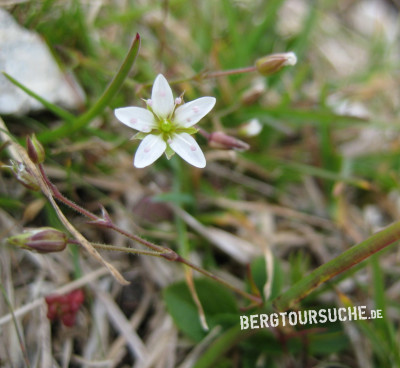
41,240
35,149
23,175
251,128
270,64
223,141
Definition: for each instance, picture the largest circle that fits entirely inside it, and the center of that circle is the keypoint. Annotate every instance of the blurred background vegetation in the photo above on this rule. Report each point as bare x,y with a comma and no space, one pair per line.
322,175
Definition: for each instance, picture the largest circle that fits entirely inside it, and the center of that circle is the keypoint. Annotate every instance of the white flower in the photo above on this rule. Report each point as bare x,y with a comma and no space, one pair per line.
164,127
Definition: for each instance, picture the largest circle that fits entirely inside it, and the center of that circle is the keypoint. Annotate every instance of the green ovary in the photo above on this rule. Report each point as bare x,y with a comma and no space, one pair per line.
165,126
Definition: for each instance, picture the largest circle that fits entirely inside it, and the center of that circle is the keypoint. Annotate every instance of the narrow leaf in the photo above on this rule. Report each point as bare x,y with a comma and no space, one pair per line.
346,260
61,113
103,101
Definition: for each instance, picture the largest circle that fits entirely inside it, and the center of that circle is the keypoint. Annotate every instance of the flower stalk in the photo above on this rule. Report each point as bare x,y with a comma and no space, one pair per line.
266,65
156,250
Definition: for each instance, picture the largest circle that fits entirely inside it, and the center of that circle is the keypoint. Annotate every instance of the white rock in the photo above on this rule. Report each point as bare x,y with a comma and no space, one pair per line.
26,57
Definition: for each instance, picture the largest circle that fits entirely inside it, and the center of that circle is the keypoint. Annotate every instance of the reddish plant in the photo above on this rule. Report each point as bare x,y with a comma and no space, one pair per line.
64,307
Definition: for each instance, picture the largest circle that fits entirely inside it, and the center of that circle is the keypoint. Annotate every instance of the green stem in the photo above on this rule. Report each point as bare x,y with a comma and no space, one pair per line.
346,260
178,181
103,101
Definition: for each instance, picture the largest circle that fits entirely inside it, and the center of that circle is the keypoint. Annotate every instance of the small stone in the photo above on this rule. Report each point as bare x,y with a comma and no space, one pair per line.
26,58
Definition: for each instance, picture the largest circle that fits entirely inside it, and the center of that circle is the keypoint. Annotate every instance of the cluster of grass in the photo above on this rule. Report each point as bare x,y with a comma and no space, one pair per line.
321,176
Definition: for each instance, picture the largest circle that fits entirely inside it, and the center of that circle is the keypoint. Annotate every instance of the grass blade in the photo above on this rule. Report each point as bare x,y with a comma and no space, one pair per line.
346,260
103,101
61,113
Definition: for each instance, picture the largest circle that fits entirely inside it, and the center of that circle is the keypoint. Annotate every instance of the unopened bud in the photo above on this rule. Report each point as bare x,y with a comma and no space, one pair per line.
41,240
35,149
23,175
223,141
272,63
250,129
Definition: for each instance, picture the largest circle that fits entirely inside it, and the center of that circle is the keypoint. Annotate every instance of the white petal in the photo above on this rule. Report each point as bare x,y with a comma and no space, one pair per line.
149,150
186,147
191,112
161,97
291,58
136,118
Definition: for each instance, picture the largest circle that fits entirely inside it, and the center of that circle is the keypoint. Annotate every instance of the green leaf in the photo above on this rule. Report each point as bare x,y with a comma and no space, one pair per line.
176,198
212,356
258,271
299,265
328,343
217,302
7,202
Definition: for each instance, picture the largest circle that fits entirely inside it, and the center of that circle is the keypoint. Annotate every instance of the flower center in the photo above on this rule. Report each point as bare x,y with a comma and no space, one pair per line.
165,126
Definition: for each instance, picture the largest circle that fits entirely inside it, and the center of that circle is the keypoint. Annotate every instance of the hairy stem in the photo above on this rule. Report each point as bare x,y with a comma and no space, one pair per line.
96,219
209,75
157,250
222,73
119,249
